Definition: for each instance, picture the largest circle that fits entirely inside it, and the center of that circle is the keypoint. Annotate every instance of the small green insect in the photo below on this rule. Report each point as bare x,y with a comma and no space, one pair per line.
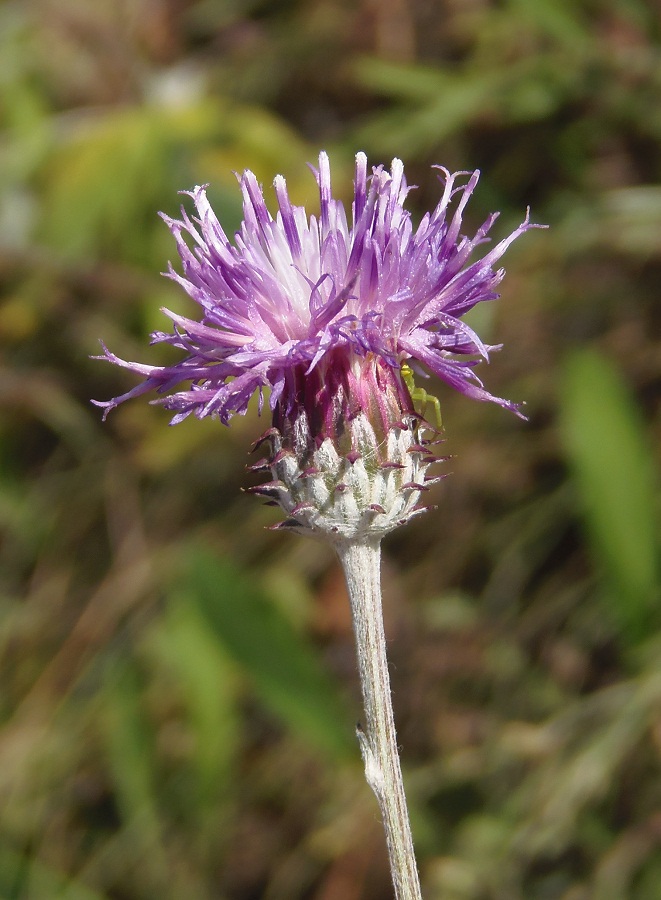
421,399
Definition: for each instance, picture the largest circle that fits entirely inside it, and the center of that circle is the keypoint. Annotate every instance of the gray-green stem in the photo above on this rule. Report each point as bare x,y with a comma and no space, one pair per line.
361,562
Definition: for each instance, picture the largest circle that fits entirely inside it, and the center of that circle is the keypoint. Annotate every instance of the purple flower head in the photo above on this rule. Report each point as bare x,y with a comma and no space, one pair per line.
296,298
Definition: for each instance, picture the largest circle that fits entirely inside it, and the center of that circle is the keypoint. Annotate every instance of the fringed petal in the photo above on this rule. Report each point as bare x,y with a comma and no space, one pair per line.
291,292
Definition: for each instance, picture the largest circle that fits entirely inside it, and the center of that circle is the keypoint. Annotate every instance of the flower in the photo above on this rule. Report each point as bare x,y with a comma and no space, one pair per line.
323,314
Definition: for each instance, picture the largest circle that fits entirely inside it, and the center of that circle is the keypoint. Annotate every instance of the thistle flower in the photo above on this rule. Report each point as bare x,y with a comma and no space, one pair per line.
323,314
327,316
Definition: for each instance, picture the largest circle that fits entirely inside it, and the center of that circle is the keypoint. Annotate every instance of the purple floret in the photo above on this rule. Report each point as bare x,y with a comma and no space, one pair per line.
290,292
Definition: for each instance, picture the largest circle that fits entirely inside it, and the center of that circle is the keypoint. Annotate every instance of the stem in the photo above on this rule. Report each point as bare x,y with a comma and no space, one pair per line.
378,742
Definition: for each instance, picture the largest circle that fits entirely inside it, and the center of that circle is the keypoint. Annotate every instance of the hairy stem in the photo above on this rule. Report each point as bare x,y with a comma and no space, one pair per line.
378,743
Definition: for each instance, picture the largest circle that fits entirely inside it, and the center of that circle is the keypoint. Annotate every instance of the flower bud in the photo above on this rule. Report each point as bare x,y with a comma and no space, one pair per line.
347,456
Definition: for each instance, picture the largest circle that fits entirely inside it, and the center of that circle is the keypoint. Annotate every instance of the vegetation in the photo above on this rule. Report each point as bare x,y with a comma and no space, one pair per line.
177,683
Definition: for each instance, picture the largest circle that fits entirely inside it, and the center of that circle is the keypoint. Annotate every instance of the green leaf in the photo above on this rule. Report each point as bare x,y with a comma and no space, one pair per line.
103,185
130,750
558,19
21,876
434,105
616,478
281,664
206,682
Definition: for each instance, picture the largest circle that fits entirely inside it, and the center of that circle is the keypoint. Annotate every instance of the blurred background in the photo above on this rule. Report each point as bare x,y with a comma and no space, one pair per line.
177,683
